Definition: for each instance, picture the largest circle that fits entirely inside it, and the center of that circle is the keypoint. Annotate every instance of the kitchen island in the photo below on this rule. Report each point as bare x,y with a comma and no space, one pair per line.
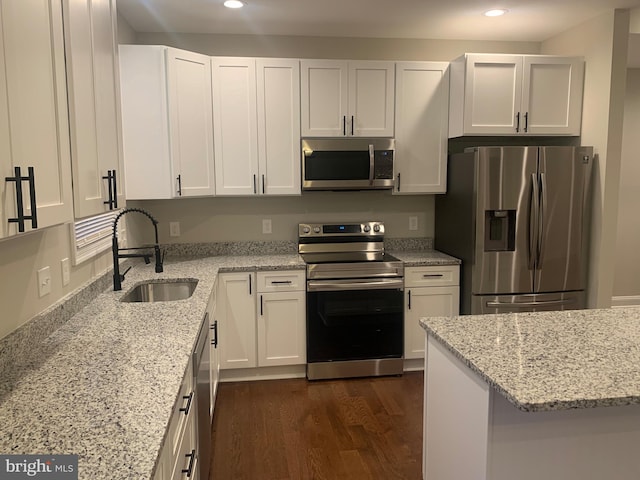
547,395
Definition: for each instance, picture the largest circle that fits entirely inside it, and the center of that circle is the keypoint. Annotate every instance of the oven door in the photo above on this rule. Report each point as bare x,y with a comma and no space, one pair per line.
354,320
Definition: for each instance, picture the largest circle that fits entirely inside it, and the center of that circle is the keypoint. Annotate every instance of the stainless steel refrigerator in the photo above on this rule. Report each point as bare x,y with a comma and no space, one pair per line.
518,219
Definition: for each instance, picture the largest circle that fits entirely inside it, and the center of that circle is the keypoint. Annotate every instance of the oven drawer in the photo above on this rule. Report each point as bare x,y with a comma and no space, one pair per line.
281,281
430,276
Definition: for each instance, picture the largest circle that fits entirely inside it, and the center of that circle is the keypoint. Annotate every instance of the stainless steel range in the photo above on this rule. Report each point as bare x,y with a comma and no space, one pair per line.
355,314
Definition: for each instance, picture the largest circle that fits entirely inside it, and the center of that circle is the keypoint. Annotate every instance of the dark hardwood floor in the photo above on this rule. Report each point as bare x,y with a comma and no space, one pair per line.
368,428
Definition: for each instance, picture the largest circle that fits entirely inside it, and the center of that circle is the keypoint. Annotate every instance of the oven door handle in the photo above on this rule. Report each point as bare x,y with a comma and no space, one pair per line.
355,284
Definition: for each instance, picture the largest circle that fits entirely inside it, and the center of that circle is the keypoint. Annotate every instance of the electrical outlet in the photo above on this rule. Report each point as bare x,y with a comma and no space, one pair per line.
66,272
44,281
174,229
413,223
266,225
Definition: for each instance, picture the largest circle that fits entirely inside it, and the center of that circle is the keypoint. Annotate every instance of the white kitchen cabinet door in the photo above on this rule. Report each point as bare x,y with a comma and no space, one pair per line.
281,329
34,129
552,95
166,122
190,122
235,125
278,108
422,111
237,320
324,98
492,94
214,361
371,99
426,302
94,105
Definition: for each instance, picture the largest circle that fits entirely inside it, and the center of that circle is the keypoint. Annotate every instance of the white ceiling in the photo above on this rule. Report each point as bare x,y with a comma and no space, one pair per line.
527,20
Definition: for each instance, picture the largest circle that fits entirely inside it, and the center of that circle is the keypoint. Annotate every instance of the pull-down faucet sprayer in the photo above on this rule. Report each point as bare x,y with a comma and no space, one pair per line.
117,276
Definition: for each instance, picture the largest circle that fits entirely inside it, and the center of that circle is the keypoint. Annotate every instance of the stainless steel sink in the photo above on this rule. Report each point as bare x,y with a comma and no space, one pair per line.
161,291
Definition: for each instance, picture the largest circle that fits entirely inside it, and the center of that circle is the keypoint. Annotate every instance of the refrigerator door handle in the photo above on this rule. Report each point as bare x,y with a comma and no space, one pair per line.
534,221
542,218
530,304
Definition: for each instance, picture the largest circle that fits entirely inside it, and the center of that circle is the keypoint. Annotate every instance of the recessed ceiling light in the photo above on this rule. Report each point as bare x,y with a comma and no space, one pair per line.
495,13
233,4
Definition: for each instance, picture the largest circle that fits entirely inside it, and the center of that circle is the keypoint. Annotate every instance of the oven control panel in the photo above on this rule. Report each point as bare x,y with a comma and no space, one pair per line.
367,229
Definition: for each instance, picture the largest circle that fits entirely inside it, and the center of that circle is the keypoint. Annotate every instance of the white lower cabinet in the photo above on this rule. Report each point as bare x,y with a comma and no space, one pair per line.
281,319
430,291
179,449
214,359
266,331
236,311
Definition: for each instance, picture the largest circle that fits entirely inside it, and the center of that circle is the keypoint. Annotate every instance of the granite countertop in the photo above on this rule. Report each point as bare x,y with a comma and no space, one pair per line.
424,258
103,385
550,360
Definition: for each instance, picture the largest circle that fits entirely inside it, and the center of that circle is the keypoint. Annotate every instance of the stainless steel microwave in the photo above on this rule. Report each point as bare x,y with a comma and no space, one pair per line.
347,163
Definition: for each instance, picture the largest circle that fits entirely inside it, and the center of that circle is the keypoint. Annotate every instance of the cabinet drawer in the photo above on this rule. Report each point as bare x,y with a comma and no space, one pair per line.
440,275
185,404
281,281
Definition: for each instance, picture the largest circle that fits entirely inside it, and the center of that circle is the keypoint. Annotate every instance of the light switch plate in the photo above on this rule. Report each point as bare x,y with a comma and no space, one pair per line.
66,273
413,222
174,229
44,281
266,225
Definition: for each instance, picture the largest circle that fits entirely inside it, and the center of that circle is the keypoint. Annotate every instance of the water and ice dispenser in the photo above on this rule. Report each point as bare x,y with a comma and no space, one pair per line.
499,230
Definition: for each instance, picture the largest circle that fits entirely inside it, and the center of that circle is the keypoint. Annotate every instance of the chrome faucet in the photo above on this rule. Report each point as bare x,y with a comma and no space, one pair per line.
117,276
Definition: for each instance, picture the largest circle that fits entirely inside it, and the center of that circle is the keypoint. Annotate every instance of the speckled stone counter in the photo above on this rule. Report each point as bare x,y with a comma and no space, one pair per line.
550,360
424,258
103,384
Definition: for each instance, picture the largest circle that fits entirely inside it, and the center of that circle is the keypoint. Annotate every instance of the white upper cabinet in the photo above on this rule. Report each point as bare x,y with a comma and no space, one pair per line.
94,106
342,98
256,105
279,126
34,130
235,125
422,108
493,94
166,122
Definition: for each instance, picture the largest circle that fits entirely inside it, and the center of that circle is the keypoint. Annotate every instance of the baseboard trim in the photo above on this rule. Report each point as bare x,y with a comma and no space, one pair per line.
625,301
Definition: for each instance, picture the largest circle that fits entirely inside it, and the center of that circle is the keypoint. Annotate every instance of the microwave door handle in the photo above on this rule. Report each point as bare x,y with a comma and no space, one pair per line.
371,163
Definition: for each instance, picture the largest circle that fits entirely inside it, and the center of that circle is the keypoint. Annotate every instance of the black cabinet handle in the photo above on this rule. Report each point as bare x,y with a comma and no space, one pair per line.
254,184
263,183
112,188
432,275
192,457
261,308
518,122
214,327
179,185
409,291
351,124
398,182
21,217
115,191
526,122
249,284
344,125
187,407
281,282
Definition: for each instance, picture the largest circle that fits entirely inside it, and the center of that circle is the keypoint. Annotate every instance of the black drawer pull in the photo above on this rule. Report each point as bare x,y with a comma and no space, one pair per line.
192,458
281,282
187,407
432,275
